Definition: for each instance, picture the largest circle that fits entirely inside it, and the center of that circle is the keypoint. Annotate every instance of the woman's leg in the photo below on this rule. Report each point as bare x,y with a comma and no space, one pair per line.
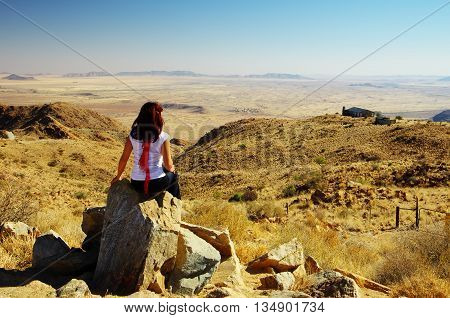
173,187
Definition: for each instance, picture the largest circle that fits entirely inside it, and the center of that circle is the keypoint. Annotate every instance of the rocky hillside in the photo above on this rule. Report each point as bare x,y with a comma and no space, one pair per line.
266,152
59,121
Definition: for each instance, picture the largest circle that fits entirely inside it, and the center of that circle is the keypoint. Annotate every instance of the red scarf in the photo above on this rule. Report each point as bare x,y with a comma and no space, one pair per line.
143,163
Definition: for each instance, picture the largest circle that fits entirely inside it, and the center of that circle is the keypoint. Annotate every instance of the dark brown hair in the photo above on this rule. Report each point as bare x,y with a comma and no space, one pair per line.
149,123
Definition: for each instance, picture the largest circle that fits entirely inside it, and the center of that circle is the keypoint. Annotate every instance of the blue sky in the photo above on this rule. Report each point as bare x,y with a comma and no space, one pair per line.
227,37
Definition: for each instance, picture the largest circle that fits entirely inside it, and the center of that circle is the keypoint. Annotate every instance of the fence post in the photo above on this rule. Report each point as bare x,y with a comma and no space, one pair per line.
417,212
397,217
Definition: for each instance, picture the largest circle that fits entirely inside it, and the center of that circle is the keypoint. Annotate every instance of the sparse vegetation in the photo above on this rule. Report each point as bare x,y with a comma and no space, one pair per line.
320,160
80,195
250,195
237,197
289,191
15,203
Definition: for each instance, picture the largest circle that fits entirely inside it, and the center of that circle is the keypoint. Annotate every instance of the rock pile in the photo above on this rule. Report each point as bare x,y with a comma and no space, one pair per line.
139,247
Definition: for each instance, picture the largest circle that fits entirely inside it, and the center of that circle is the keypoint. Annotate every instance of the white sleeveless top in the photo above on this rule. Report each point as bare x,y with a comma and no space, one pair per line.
155,161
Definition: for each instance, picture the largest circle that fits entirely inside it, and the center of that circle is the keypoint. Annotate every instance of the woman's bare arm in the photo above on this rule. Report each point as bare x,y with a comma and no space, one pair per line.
167,156
127,149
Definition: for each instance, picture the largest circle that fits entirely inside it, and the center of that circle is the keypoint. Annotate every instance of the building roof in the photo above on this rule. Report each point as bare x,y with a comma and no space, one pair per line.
358,110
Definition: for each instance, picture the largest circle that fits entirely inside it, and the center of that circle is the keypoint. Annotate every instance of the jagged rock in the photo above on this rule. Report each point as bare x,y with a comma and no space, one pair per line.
228,274
4,134
280,281
48,248
92,226
220,240
229,270
17,229
331,284
138,240
284,294
286,257
51,252
196,262
299,272
74,289
365,282
311,266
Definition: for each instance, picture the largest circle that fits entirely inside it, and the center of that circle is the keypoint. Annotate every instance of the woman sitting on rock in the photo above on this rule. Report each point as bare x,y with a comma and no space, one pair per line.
153,169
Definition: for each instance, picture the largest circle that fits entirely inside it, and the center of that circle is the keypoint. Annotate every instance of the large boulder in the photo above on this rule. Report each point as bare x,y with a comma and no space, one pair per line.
280,281
48,248
228,273
139,241
92,226
220,240
17,230
286,257
365,282
74,289
51,252
196,262
331,284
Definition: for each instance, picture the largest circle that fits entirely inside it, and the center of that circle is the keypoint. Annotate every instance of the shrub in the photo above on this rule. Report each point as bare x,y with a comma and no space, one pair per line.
289,191
398,117
80,195
16,204
16,253
310,179
320,160
52,163
242,146
237,197
267,209
250,195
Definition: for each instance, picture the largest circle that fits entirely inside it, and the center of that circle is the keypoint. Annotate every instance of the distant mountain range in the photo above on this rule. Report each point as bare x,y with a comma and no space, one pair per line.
15,77
445,78
190,74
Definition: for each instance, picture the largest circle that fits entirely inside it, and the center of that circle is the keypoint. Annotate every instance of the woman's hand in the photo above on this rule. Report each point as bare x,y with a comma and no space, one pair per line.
116,179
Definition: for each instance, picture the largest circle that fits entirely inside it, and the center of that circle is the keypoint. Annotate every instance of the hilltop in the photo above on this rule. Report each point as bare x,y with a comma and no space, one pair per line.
270,152
14,77
442,116
59,121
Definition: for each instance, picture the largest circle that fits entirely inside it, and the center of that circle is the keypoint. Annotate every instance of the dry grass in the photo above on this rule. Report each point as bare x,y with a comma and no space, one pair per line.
15,253
414,264
16,204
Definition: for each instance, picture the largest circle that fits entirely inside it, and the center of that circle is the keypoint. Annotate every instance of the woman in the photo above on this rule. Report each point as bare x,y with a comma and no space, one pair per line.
153,169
